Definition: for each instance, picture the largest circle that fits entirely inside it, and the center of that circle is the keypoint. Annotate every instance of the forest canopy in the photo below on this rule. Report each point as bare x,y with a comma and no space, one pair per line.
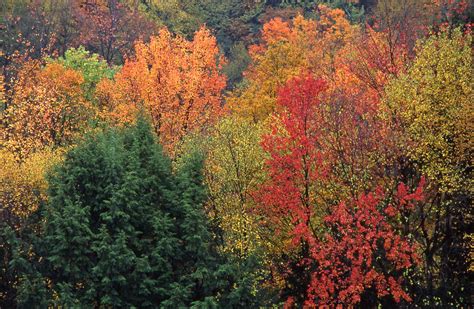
236,153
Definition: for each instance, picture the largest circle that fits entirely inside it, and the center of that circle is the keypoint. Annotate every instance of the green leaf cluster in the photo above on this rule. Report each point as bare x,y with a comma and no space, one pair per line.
90,65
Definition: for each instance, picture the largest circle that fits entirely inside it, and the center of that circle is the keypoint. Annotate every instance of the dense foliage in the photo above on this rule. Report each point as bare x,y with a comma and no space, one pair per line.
236,153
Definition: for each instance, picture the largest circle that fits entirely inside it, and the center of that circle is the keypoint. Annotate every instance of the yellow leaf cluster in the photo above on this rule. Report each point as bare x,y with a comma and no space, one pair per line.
434,102
234,168
22,184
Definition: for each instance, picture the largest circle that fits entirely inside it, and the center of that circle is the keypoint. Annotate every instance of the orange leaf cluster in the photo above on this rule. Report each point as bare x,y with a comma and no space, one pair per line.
178,82
288,49
46,108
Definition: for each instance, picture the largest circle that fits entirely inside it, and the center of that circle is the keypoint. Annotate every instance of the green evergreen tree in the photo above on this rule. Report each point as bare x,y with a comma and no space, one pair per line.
122,230
108,238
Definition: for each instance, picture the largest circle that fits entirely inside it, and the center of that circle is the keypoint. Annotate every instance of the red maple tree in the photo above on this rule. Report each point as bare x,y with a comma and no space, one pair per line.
295,163
362,250
344,251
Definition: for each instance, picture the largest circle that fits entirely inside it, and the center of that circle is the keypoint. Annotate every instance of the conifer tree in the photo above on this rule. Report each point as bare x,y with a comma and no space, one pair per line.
121,229
108,236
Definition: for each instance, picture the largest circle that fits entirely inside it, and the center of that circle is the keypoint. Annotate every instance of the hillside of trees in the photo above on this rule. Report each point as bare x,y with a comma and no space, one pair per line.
236,153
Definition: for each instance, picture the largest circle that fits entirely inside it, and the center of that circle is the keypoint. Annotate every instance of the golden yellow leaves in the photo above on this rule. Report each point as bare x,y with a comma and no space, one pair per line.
434,103
22,184
234,169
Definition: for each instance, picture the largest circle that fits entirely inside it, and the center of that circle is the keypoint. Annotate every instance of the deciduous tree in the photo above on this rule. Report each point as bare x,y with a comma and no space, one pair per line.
362,257
110,27
288,49
178,82
430,109
46,108
234,168
92,68
361,249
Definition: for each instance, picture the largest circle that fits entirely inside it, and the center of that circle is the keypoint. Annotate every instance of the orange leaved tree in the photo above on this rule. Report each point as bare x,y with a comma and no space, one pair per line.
178,82
288,49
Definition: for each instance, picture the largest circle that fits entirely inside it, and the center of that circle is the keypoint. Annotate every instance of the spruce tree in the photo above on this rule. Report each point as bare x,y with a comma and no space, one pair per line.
121,229
108,235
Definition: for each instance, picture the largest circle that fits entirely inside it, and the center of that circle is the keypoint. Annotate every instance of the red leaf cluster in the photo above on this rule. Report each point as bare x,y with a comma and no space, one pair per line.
295,161
362,250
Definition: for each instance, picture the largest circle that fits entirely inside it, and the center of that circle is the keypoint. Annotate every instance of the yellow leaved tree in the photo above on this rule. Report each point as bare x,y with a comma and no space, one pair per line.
433,103
233,170
22,184
430,108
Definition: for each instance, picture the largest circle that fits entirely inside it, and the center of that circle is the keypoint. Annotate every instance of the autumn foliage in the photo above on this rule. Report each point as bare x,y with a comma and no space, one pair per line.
343,262
46,108
363,251
296,164
236,154
178,82
287,50
110,27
